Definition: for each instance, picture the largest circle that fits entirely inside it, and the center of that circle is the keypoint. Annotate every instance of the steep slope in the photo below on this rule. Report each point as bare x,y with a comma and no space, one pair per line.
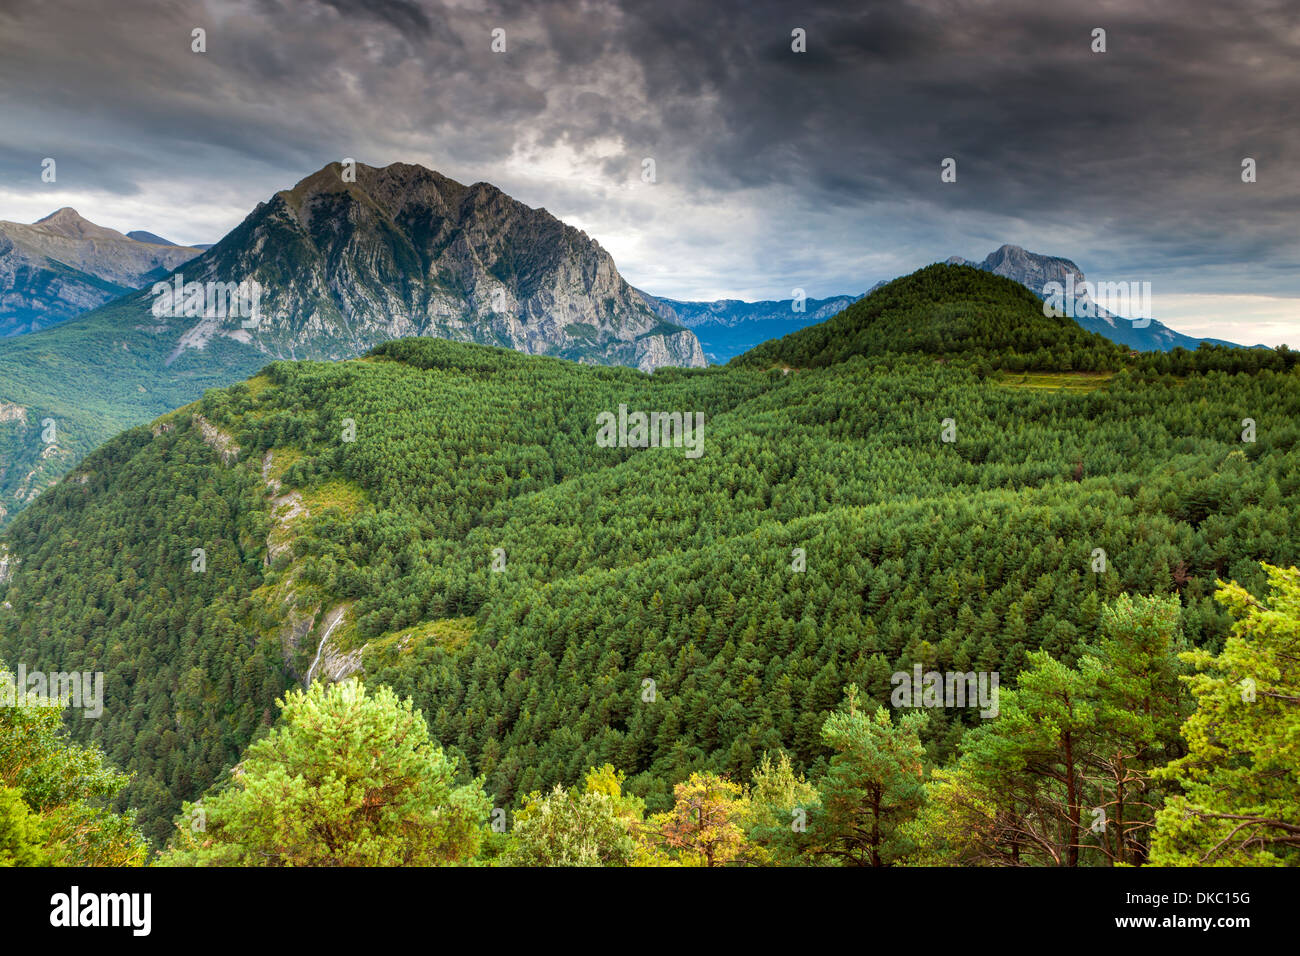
340,266
65,390
63,265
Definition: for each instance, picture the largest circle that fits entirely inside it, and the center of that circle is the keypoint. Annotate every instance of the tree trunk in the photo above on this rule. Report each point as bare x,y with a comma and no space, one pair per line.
1072,795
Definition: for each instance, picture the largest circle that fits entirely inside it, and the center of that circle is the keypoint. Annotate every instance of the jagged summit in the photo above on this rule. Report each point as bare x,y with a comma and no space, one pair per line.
1030,269
403,250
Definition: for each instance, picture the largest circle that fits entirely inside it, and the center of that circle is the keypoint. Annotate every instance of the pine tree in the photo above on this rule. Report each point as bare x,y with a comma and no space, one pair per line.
1242,772
347,778
873,786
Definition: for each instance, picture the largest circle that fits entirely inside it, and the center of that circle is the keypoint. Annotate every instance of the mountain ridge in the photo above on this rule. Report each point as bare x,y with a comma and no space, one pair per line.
714,320
728,327
64,265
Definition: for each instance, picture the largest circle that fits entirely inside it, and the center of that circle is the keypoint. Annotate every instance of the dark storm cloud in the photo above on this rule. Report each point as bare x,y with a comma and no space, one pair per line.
1127,160
1150,134
404,15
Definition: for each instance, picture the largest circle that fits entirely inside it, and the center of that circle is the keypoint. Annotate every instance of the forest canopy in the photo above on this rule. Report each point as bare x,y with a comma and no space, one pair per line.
940,476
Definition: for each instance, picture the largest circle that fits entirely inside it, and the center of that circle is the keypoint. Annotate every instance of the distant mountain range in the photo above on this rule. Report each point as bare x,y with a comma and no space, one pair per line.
63,265
340,267
730,327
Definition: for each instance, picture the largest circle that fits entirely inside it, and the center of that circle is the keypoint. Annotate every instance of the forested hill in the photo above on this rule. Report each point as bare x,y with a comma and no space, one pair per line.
946,310
447,515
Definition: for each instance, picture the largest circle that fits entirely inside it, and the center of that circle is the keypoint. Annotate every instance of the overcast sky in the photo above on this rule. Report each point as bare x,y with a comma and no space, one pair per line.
774,169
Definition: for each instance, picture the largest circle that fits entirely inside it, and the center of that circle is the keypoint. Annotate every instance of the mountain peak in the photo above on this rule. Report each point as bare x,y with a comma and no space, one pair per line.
403,250
63,265
1030,269
68,222
329,178
59,216
1009,258
1007,252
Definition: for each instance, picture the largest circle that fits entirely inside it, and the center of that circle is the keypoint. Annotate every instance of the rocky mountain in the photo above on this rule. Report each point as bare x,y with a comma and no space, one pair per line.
405,251
1035,271
337,267
64,265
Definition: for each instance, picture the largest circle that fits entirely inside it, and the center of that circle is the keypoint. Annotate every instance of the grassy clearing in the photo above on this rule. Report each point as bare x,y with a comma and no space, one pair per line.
1055,381
451,634
257,385
344,495
282,459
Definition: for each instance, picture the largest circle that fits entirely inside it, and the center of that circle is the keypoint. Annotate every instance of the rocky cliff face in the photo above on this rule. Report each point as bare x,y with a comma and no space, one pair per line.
1028,268
8,564
63,265
405,251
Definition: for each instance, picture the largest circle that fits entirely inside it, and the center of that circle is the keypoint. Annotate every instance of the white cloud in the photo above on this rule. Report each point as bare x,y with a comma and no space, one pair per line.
1245,319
